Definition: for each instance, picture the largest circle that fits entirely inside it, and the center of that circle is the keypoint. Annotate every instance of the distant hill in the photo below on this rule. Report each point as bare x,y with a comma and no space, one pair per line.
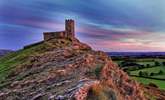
4,52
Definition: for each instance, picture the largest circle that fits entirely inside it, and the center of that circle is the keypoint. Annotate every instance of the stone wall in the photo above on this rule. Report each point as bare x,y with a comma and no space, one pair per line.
51,35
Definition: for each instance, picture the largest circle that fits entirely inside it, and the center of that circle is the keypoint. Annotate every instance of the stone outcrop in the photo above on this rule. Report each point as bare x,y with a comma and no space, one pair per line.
126,88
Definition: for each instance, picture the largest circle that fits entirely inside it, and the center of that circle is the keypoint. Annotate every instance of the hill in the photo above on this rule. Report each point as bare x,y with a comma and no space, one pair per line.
65,69
4,52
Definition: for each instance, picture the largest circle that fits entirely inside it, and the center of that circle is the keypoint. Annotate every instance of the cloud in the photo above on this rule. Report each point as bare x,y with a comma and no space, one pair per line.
114,24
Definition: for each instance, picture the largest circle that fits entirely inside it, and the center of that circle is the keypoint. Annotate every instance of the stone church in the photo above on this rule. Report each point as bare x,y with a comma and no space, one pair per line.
68,33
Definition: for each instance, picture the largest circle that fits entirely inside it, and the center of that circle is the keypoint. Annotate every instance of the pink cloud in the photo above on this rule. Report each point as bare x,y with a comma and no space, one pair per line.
110,45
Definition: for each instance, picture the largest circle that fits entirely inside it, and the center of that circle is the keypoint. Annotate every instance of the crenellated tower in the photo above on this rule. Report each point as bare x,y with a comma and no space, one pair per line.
70,28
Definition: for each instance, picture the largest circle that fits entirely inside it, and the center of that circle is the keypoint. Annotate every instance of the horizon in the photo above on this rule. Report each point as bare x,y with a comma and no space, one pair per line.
107,25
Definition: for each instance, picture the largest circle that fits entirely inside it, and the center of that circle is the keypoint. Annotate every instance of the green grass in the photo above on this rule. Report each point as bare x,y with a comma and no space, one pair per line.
149,70
159,76
145,63
156,69
12,60
159,83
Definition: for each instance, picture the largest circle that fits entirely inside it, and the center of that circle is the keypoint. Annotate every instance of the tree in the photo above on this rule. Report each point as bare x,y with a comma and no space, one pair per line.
163,63
157,63
148,65
160,72
151,74
140,73
141,66
143,73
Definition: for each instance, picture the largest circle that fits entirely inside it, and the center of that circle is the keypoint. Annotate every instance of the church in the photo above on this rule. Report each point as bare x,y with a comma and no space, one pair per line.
68,33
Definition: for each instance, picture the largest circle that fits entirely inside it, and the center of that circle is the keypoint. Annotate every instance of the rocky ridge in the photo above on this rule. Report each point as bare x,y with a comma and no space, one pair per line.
67,69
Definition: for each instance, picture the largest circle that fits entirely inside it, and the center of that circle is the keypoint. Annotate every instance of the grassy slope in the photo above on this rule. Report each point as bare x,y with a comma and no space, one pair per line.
149,70
147,81
12,60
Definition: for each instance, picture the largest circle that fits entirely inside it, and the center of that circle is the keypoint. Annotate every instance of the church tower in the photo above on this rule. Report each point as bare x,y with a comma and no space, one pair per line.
69,28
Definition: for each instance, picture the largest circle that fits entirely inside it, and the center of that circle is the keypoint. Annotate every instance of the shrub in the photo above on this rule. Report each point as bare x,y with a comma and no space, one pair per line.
141,66
97,71
140,73
160,72
163,63
151,74
148,65
145,74
157,63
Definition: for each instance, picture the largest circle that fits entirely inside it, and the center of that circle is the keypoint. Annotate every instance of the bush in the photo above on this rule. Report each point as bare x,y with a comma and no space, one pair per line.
163,63
145,74
97,71
148,65
160,72
151,74
157,63
140,73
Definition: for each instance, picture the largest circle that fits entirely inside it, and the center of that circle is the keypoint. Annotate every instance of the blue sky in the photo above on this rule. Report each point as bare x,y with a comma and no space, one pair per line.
109,25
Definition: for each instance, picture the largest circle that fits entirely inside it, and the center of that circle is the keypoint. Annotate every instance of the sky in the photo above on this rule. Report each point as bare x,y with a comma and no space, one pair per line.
108,25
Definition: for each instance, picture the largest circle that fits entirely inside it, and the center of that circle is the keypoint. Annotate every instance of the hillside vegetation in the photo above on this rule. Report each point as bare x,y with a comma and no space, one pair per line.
15,59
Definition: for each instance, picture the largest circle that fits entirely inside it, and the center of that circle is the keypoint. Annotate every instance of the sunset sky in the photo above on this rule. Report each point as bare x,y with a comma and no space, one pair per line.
109,25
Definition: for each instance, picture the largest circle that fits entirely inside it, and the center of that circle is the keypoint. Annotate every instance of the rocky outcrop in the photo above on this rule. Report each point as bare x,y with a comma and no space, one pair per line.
69,70
126,88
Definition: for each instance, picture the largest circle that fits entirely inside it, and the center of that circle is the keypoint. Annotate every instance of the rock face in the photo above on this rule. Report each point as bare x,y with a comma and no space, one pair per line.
69,70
